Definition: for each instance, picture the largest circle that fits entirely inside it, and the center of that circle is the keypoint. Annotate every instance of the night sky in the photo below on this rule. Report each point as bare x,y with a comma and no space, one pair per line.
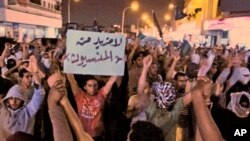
108,12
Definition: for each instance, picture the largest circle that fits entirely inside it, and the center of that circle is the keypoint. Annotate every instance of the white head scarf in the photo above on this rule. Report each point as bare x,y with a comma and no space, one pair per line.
239,74
244,75
235,107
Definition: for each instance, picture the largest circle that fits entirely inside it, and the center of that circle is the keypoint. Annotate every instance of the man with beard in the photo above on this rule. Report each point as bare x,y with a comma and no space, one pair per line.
160,101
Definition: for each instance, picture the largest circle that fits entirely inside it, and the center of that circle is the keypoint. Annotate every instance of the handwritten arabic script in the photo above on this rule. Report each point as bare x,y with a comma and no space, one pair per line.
81,60
94,53
108,41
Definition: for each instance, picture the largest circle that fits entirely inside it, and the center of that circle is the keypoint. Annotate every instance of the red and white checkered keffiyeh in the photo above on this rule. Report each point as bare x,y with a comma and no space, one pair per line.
165,94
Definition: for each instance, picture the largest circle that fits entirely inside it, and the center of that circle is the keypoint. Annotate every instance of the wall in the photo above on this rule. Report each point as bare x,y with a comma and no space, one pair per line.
235,5
27,18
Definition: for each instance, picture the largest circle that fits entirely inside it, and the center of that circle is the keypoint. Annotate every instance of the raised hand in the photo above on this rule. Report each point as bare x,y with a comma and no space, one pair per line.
204,86
33,68
201,82
176,56
147,61
57,84
207,90
135,44
57,81
218,89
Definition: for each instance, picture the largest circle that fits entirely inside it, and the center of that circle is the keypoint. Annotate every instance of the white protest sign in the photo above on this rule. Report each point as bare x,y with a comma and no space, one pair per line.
94,53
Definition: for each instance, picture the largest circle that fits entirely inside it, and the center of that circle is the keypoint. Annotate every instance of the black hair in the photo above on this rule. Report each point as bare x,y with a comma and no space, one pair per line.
178,74
145,131
145,53
11,63
192,70
22,72
85,79
205,55
137,55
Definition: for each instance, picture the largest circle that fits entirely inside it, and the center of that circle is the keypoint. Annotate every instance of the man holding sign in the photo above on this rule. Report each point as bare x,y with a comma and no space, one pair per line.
87,53
90,103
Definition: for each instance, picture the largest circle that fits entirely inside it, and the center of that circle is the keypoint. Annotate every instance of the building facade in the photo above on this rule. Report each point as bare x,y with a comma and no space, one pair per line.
192,25
29,19
216,22
232,25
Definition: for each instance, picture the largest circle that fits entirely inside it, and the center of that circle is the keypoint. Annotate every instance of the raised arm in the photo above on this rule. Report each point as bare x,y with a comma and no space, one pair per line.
107,87
10,71
61,128
34,69
131,54
74,120
206,125
187,98
205,66
73,84
133,107
36,101
60,115
172,67
25,51
142,83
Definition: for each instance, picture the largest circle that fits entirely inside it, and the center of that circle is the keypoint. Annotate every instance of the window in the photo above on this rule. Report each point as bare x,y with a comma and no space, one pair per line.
44,4
12,2
57,6
224,34
36,2
48,5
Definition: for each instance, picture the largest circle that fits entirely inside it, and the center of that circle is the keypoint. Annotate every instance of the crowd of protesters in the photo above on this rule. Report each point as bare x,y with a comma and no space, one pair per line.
164,95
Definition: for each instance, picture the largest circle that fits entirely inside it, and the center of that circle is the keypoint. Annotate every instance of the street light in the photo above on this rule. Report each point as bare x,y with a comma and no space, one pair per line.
167,17
69,4
151,24
134,6
144,17
172,7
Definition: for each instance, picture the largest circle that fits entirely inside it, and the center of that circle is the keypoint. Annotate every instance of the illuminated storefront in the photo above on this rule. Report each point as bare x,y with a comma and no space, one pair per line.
26,20
235,30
